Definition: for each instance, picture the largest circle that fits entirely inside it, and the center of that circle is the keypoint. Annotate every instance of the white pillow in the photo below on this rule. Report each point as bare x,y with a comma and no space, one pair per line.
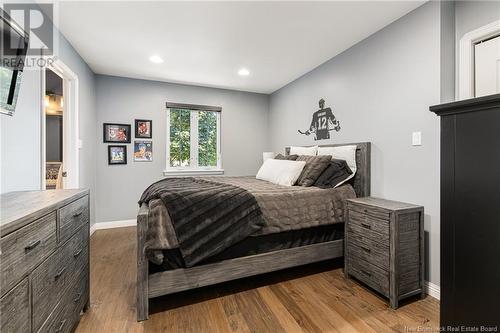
347,153
310,151
281,172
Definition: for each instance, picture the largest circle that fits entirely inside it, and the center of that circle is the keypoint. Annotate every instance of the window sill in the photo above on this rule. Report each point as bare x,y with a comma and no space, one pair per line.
194,172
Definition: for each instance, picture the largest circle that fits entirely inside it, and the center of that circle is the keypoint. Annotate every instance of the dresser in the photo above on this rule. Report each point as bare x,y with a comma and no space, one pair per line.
384,246
470,213
44,275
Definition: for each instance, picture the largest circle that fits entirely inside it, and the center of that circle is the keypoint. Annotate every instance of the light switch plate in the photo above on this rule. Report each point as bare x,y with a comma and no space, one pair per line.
416,138
80,144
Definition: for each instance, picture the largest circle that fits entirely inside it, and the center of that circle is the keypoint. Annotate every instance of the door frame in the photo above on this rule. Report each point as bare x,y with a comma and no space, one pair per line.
70,125
466,81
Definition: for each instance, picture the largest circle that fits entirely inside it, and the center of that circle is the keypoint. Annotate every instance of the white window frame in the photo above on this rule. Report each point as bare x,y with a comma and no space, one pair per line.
193,168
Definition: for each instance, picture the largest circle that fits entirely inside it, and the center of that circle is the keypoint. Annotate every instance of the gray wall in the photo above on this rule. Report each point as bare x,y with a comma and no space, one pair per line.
380,90
20,147
121,100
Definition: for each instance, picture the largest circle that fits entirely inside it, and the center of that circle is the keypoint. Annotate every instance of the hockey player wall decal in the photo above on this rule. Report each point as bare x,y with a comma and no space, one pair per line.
323,121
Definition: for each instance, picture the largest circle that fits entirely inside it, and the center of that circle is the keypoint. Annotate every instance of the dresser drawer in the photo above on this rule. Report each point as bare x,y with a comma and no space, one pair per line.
369,250
373,276
67,312
72,217
15,309
24,249
369,226
51,280
77,247
58,322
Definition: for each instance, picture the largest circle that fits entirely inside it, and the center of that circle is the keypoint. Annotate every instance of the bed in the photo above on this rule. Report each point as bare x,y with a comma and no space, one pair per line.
287,234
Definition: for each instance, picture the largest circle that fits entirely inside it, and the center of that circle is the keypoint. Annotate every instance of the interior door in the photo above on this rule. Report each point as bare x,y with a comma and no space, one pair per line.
487,67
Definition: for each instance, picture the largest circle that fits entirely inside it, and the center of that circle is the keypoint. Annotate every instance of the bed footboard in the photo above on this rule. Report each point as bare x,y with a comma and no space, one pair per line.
142,264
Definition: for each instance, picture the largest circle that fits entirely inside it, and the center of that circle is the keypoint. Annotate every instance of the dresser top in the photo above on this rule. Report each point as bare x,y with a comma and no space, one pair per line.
383,203
18,209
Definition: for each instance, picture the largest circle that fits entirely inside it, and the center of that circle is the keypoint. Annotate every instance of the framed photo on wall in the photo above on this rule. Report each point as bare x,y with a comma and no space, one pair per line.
117,154
143,129
143,151
116,132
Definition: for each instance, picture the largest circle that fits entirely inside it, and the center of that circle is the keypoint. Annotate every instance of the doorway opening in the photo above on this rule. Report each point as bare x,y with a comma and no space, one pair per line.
59,118
54,136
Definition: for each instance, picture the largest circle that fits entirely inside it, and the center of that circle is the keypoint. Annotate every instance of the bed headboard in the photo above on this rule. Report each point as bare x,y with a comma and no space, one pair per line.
362,179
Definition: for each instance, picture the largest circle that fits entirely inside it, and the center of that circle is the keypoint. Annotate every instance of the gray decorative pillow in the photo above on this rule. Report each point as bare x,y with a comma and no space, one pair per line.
315,165
287,157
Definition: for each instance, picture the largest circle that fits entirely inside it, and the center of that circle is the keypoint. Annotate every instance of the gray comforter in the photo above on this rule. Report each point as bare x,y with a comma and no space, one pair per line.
207,216
283,208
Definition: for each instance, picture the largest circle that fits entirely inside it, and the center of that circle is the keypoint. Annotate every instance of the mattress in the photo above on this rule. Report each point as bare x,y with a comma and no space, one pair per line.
258,244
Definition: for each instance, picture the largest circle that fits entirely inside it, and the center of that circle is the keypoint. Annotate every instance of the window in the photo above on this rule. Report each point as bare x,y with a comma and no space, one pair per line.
193,140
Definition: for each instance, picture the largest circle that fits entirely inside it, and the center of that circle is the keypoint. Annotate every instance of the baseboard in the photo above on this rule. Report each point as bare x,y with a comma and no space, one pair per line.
112,224
433,290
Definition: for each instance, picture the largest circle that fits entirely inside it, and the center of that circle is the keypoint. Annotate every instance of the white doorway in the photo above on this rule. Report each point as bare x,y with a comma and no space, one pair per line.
487,67
479,62
59,148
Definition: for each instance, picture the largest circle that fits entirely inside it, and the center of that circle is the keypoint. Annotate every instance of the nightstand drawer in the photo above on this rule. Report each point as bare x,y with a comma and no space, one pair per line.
369,250
371,211
369,226
373,276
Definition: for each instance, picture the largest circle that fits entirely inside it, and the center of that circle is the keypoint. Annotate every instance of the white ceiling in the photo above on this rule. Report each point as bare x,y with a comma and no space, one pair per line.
206,43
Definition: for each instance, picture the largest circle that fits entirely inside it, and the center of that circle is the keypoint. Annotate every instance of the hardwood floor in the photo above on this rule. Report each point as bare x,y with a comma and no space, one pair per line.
315,298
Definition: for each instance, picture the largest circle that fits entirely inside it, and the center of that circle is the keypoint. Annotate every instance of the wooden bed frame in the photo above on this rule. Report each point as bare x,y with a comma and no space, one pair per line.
172,281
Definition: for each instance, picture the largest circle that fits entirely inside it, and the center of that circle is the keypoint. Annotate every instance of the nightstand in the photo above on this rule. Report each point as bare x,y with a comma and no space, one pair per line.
384,246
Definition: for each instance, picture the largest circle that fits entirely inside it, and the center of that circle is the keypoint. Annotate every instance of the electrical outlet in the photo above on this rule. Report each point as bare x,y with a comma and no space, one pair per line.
416,138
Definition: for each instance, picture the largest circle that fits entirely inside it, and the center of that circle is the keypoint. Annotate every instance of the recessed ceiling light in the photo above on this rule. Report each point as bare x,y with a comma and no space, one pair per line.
156,59
243,72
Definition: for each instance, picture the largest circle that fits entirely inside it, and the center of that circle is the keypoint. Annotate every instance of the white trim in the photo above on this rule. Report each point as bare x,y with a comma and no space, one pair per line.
465,68
433,290
70,124
43,125
112,225
92,229
192,172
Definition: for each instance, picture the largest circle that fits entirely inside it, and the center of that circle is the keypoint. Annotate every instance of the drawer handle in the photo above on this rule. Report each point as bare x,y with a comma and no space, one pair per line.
77,253
60,273
78,214
366,273
31,246
366,226
77,298
366,249
61,325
